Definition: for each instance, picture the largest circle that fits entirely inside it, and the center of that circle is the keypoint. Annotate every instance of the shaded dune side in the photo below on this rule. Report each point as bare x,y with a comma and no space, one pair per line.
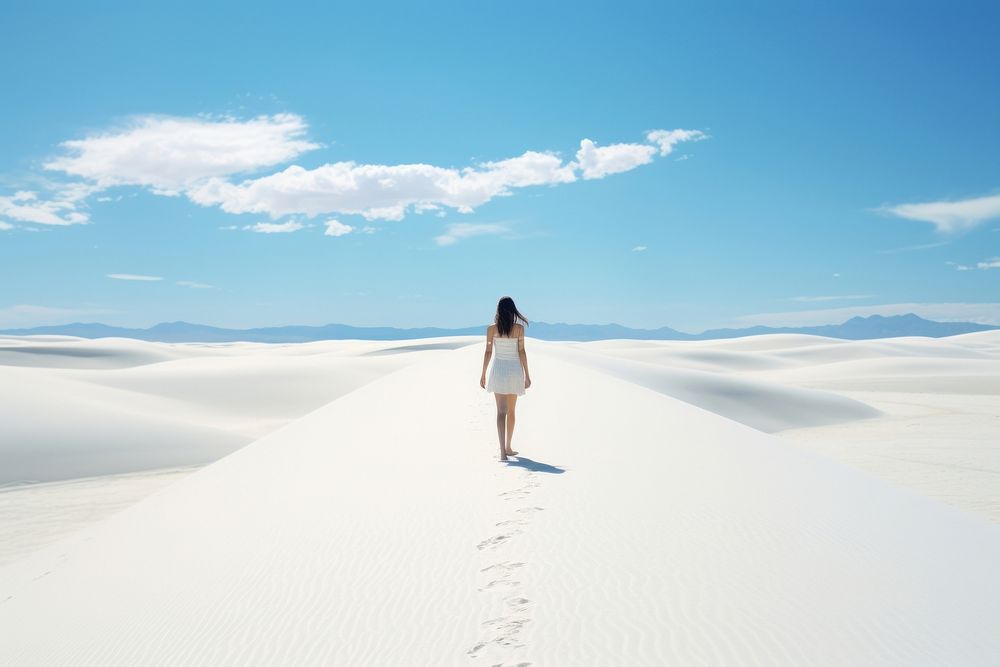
71,352
54,428
766,406
122,416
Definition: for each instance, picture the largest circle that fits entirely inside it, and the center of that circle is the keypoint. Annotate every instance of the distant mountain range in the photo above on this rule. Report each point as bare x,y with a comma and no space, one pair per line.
856,328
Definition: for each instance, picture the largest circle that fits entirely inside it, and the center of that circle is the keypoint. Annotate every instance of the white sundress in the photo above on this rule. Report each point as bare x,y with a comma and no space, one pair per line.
506,374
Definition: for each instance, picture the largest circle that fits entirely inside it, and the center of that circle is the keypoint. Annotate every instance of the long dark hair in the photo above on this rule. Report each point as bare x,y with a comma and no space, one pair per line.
507,315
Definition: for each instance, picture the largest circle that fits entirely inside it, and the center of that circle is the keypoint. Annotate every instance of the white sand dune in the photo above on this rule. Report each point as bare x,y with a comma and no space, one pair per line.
56,427
766,406
380,529
938,401
32,516
74,352
72,407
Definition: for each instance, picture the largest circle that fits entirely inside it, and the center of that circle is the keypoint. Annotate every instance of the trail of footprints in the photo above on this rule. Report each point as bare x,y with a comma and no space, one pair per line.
501,577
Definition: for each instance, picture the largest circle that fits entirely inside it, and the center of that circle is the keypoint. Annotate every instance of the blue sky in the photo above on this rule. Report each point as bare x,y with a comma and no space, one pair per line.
406,165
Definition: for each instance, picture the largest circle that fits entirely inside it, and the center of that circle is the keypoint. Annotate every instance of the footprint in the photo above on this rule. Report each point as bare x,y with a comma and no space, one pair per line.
507,625
530,509
518,603
519,522
495,541
499,583
506,566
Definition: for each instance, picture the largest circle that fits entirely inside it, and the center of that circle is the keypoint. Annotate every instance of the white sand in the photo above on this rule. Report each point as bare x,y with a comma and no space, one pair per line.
936,401
72,407
34,515
380,529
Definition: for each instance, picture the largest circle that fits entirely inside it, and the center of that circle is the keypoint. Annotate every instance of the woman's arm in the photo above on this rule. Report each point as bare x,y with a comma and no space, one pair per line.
487,355
524,358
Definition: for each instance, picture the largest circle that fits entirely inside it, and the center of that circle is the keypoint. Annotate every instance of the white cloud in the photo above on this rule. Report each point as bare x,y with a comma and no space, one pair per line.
368,229
337,228
388,192
830,298
5,225
275,228
463,230
638,248
132,276
169,154
203,157
194,285
377,191
667,139
982,313
921,246
988,264
26,206
599,161
28,315
949,216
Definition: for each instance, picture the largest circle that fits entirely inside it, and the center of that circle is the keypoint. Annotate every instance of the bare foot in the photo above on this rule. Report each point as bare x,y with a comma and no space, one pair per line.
512,453
503,458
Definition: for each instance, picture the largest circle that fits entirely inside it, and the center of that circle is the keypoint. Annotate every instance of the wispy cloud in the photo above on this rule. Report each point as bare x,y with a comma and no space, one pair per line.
667,139
5,226
922,246
638,248
337,228
842,297
194,285
132,276
275,228
984,266
982,313
29,315
949,216
61,209
463,230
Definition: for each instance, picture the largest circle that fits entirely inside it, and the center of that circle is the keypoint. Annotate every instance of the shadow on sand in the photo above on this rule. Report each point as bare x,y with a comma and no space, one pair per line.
534,466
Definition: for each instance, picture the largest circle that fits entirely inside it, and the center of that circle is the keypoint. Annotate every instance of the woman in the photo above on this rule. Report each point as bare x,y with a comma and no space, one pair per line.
509,375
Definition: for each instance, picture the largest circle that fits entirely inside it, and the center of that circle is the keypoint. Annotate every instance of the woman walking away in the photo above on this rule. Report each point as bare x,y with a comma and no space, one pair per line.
509,374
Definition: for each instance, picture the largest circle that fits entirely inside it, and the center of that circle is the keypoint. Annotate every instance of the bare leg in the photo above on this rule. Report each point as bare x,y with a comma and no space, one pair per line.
511,404
501,422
